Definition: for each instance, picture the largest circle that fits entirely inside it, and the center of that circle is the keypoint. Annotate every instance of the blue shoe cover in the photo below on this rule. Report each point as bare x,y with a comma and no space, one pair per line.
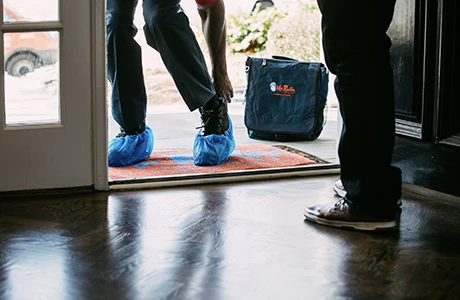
213,149
130,149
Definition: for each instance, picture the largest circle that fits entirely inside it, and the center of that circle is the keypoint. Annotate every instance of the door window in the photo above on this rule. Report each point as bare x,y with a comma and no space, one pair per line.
31,62
23,11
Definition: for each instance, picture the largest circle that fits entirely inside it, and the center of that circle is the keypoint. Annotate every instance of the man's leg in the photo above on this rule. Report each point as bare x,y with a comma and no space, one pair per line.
167,30
129,100
125,67
357,51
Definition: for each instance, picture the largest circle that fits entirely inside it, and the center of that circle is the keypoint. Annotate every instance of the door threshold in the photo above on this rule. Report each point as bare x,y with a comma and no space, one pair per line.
453,140
227,177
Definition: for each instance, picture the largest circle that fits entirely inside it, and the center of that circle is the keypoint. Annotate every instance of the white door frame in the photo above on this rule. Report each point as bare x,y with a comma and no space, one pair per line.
33,157
99,96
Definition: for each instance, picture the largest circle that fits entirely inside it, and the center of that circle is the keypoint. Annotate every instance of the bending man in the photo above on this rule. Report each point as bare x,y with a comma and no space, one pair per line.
167,30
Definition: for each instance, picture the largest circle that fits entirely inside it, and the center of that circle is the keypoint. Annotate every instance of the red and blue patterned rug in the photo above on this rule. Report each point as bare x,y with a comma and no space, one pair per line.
245,157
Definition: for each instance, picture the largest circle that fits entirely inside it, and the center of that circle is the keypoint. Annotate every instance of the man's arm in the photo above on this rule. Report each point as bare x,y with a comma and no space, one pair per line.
215,32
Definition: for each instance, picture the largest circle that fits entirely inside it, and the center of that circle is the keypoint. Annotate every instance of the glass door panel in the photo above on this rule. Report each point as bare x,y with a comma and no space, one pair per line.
18,11
32,82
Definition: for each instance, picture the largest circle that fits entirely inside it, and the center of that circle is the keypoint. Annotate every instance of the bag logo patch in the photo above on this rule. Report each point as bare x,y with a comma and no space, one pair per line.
282,90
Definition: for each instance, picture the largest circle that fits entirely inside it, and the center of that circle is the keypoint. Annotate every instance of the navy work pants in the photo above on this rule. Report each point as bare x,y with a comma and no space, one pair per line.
356,49
167,30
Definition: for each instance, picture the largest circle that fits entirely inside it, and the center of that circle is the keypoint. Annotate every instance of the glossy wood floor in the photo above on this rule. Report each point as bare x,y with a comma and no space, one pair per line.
229,241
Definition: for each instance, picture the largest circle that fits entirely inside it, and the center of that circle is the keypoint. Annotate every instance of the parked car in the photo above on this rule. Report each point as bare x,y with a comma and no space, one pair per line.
26,51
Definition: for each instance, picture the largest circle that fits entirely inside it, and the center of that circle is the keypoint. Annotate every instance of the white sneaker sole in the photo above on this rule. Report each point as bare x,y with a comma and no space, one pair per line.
365,226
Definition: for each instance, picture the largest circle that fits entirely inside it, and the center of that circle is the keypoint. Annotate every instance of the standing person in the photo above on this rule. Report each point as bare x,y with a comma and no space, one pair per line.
356,49
167,30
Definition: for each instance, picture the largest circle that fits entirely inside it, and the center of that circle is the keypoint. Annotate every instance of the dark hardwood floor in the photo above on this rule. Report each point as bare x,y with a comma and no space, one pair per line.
228,241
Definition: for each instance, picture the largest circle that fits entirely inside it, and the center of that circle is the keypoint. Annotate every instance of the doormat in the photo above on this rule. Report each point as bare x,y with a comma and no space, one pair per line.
245,157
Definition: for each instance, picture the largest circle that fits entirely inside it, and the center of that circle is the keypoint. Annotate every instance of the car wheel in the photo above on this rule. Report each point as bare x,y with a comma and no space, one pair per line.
21,64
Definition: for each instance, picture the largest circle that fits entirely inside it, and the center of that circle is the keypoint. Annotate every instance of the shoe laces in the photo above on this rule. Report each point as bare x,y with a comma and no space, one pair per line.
340,204
206,117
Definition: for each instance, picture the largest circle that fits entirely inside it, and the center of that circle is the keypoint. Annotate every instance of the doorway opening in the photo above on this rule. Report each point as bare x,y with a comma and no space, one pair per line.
448,106
174,126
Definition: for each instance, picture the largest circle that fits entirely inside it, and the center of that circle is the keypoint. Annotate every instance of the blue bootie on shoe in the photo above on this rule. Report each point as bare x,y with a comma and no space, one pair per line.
130,149
213,149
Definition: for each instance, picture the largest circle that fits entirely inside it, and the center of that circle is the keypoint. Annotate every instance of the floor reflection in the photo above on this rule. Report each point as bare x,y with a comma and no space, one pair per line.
222,241
366,258
199,251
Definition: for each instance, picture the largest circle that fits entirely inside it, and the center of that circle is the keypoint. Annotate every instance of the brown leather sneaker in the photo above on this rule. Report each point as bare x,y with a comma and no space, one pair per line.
341,214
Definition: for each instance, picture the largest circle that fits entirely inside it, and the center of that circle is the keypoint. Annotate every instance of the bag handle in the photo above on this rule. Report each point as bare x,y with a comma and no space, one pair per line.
283,57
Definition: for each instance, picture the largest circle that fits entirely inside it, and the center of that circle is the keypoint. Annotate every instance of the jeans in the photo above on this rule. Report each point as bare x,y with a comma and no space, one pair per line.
166,30
356,49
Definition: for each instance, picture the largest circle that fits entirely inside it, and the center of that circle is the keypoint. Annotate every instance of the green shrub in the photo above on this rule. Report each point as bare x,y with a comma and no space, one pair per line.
294,33
250,33
298,34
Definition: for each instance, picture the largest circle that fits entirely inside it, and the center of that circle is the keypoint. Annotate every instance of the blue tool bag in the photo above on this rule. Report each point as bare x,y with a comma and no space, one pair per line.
285,99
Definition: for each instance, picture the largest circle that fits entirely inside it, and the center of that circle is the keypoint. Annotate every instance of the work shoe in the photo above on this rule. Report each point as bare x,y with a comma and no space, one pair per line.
339,189
343,214
128,149
214,117
213,149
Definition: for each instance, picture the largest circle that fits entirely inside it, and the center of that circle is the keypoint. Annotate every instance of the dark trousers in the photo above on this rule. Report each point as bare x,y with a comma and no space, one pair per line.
356,49
167,30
